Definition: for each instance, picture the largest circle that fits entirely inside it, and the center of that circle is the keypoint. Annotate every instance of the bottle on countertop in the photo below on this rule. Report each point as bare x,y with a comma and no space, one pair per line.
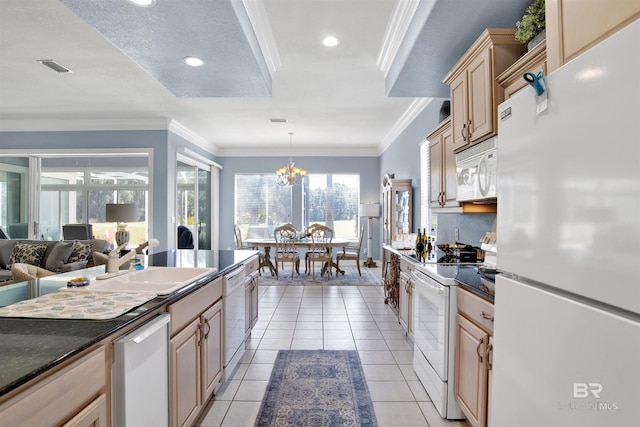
419,246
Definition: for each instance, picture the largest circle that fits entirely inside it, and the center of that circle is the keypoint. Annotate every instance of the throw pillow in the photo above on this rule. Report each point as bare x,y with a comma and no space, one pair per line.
59,256
81,251
27,253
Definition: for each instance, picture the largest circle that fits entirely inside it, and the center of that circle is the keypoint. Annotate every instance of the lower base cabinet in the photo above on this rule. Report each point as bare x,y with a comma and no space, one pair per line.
195,352
72,396
473,354
251,302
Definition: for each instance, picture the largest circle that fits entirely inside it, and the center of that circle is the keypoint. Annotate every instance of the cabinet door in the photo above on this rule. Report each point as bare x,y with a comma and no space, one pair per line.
450,181
185,375
211,349
480,99
403,304
247,306
435,171
254,300
574,26
459,115
471,371
93,415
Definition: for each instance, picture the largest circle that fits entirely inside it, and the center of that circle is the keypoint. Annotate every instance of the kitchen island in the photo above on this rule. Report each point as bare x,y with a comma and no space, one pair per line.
34,350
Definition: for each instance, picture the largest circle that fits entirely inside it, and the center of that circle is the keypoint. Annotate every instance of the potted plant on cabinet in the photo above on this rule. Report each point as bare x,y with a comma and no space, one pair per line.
531,29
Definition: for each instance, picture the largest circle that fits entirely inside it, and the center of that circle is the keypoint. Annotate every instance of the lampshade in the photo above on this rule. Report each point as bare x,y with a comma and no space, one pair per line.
122,212
370,210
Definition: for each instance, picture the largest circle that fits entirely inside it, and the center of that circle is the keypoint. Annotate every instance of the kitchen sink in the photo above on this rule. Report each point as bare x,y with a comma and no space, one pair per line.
159,280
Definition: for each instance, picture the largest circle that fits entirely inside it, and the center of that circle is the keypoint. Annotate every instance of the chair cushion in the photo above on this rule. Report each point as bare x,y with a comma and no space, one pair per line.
81,251
27,253
59,256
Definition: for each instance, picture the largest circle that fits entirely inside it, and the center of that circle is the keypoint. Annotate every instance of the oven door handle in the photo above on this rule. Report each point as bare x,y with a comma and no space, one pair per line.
438,288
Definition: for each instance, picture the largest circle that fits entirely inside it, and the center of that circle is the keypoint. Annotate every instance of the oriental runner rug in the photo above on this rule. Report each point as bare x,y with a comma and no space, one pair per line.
313,388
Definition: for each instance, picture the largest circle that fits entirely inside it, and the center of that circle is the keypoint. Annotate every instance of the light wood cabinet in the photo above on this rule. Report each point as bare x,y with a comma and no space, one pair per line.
74,395
442,167
405,310
195,351
574,26
251,302
535,60
471,372
211,349
473,353
475,94
185,375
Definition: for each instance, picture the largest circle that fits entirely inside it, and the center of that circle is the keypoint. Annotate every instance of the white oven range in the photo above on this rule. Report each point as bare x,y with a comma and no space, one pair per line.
435,310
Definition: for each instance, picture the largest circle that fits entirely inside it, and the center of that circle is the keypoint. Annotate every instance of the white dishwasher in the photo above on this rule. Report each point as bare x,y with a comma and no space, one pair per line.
140,375
233,306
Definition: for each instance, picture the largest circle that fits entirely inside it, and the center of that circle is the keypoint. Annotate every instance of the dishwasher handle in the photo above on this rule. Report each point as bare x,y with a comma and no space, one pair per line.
149,330
440,289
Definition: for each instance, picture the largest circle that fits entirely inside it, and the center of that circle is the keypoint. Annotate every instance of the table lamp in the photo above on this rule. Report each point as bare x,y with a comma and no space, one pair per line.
122,213
369,210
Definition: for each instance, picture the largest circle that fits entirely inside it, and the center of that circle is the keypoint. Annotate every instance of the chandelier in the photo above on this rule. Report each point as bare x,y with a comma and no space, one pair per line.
288,175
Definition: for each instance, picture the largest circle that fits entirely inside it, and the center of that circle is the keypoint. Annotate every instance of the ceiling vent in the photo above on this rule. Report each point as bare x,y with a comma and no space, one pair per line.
278,120
54,65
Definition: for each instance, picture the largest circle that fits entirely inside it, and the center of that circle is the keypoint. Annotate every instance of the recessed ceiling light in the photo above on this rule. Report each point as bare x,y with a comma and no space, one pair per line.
143,3
193,61
330,41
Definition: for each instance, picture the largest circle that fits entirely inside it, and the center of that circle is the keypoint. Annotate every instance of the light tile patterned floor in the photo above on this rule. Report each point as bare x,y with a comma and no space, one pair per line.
335,318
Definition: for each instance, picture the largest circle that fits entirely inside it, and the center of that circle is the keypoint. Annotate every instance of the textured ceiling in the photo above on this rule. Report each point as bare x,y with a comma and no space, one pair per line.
157,38
128,74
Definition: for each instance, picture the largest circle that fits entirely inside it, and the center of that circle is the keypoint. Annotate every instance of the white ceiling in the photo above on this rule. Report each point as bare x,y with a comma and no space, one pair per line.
335,99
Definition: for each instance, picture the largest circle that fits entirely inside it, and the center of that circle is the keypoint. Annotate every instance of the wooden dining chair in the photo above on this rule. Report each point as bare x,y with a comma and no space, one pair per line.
351,252
321,237
307,233
241,244
285,249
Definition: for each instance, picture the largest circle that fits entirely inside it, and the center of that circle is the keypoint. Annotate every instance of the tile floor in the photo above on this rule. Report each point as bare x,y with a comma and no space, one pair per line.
335,318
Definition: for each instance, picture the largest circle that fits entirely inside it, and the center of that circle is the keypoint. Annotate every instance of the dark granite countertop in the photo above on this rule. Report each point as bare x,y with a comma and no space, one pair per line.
29,347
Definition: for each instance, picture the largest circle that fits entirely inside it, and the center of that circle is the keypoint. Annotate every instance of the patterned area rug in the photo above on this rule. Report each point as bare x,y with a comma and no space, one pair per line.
370,276
313,388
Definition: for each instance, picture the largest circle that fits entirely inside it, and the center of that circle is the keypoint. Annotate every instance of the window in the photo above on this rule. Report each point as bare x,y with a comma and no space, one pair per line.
261,204
71,195
332,200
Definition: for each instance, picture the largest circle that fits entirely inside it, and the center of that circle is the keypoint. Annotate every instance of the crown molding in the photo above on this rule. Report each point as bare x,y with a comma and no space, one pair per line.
60,125
396,31
300,152
262,29
403,122
185,133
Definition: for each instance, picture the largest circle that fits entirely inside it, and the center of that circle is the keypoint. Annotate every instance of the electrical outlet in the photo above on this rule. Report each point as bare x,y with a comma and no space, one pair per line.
457,234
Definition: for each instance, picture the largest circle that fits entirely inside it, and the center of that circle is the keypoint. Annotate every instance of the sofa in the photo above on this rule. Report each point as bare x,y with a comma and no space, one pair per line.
57,256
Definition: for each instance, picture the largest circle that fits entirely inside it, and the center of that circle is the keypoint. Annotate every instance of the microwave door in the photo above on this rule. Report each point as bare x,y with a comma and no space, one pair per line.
483,176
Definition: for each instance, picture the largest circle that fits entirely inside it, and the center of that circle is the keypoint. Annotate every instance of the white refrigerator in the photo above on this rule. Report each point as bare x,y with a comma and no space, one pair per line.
567,310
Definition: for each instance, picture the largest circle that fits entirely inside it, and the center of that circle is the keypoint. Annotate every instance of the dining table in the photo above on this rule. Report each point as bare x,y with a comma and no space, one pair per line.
302,243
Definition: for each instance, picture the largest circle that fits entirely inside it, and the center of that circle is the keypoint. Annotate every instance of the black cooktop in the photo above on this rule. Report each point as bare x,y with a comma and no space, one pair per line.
481,284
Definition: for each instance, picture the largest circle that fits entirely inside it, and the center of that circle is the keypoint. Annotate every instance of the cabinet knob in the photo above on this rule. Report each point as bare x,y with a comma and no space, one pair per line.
464,138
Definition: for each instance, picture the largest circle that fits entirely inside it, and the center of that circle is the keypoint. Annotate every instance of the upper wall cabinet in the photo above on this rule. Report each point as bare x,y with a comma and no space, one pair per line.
573,26
475,94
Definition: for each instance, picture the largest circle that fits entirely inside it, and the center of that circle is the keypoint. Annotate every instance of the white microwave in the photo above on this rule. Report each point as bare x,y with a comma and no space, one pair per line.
476,170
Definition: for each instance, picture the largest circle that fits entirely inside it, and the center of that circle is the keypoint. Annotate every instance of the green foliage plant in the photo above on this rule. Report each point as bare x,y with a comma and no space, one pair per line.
533,22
